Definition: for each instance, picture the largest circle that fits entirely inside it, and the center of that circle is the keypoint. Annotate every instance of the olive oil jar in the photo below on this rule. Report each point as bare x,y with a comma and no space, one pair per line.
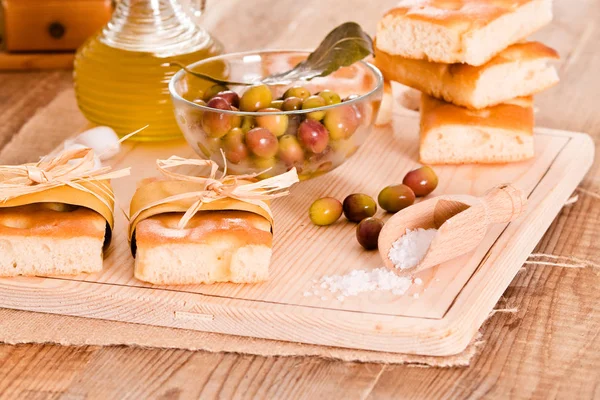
122,74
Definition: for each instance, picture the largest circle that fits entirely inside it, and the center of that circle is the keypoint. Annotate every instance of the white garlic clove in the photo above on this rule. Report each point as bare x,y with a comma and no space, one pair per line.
102,139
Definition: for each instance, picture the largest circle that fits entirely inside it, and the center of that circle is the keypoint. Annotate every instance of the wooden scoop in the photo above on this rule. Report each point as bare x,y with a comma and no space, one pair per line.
462,222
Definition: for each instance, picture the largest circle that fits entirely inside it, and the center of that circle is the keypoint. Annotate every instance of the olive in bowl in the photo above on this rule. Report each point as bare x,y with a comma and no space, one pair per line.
304,125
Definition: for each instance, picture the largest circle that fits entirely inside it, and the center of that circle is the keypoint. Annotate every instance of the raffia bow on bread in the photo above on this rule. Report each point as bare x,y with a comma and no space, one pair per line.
189,194
69,178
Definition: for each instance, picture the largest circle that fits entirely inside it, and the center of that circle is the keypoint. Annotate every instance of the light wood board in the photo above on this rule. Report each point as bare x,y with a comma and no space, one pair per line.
452,303
550,348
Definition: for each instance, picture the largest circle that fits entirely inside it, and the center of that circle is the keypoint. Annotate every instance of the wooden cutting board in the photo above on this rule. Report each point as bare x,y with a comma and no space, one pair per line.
439,317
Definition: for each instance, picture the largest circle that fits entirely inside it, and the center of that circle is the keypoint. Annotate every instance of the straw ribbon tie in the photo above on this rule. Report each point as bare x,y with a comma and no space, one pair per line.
69,168
217,188
37,175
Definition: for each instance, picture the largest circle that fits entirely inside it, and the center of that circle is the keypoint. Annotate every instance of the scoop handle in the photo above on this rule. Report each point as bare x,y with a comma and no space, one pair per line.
504,203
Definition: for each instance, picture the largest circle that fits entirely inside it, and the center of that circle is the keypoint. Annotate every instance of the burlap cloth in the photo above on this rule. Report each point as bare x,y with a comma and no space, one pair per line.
43,133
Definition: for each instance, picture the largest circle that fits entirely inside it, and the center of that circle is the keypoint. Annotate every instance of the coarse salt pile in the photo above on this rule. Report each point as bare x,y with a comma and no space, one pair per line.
360,281
409,249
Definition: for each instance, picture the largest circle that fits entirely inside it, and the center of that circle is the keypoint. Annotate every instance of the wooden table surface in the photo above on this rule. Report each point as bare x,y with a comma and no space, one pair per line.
550,348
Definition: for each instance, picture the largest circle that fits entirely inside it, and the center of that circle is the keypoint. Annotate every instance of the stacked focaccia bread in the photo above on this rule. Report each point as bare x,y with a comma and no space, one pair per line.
476,76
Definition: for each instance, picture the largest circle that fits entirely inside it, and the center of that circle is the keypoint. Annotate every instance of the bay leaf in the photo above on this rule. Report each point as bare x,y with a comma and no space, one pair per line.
342,47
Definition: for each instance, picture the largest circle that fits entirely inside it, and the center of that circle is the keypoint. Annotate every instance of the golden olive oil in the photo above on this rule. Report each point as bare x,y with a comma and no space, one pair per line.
122,74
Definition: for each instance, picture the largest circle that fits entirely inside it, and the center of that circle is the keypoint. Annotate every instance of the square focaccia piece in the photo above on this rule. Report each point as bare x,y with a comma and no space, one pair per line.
455,135
459,31
215,246
48,239
520,70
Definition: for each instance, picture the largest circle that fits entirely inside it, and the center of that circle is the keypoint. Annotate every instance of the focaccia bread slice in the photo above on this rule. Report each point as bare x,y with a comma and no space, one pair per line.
215,246
454,135
520,70
46,239
459,31
386,109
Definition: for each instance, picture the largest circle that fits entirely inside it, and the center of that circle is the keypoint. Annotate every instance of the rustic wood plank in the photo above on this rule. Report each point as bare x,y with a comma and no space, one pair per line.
40,371
170,374
504,369
520,359
22,93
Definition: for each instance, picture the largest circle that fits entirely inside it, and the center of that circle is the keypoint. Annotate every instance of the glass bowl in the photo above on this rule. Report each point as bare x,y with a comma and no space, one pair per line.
269,143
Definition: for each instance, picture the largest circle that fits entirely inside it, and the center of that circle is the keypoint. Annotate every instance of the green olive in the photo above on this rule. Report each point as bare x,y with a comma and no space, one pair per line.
359,206
276,123
200,102
292,104
367,232
395,198
346,147
278,104
314,102
341,122
262,142
290,151
209,145
313,136
213,91
247,123
297,91
330,97
217,124
234,147
255,98
322,169
264,164
325,211
422,181
232,97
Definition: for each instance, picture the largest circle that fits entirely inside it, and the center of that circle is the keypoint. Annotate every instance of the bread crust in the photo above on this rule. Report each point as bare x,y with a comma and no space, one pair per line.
239,227
459,31
38,220
464,84
215,246
459,15
456,135
50,239
515,116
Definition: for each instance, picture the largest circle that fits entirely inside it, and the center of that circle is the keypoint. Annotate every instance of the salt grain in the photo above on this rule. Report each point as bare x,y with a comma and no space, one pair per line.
418,281
410,248
361,281
307,294
416,295
323,298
